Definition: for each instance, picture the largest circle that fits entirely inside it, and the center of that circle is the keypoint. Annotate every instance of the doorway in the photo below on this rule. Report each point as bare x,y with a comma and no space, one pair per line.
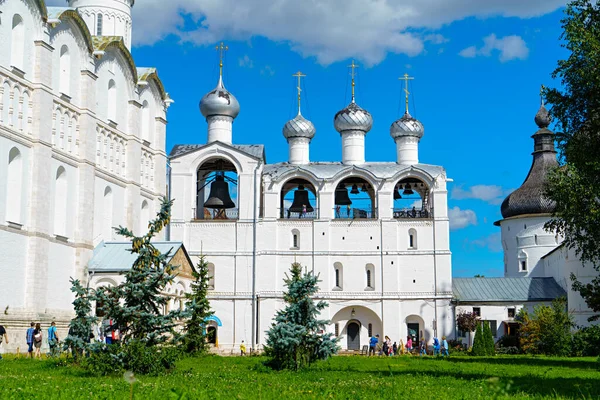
413,332
353,332
211,334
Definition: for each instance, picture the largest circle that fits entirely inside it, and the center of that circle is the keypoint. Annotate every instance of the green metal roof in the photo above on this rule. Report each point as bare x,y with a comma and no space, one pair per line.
116,257
506,289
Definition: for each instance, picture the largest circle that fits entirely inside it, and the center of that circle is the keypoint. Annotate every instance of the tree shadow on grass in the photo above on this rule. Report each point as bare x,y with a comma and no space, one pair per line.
539,362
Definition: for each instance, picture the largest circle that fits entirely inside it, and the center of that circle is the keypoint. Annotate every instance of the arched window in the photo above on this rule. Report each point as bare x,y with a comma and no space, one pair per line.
145,121
338,277
112,100
211,276
144,217
370,275
523,265
64,78
99,25
17,43
295,239
14,190
107,221
370,329
60,202
412,238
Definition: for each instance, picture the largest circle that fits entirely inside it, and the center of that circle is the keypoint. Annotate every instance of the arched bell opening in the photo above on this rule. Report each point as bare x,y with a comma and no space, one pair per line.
298,199
354,198
216,190
411,199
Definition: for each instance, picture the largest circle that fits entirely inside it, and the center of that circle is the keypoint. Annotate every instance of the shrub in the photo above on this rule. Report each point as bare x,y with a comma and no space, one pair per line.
508,350
467,322
456,346
547,330
490,347
479,343
586,342
508,341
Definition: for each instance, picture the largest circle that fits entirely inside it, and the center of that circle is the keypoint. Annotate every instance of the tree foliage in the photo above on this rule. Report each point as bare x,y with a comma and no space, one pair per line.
197,309
295,339
467,322
490,345
547,330
575,186
479,348
80,328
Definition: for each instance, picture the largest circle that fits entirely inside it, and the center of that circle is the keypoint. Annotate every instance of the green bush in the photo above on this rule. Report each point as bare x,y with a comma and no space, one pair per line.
490,347
508,350
586,342
479,348
133,356
508,341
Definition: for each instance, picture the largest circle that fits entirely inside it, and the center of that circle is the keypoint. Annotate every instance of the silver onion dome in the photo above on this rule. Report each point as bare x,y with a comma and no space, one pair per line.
407,126
299,127
219,101
353,118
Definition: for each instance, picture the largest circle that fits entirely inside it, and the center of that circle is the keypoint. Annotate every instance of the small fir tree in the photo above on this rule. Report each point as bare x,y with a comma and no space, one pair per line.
294,340
197,309
479,348
467,322
80,328
136,305
490,346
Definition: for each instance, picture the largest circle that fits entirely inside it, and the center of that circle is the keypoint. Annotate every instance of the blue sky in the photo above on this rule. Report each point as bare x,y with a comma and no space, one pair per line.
476,89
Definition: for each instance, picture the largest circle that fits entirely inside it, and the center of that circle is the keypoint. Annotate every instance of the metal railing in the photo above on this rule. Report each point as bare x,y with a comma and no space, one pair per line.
342,212
217,214
286,213
409,213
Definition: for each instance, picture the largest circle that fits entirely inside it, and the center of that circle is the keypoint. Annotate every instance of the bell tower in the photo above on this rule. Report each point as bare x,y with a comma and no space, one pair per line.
106,17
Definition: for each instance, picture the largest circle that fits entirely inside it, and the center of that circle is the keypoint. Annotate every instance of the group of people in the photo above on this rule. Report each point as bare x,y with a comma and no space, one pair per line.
386,348
34,337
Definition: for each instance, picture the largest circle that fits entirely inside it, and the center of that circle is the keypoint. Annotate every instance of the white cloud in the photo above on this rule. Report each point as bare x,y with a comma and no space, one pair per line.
246,62
491,242
509,48
330,30
492,194
436,38
461,218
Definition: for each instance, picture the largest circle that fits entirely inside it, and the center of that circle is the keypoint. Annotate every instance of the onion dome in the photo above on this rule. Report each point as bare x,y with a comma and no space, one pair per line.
529,198
353,118
407,126
219,101
299,127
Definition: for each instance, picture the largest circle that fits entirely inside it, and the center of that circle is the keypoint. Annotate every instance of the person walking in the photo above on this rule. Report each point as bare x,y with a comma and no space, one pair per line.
409,344
423,348
52,339
3,338
373,344
389,346
37,340
402,348
444,347
29,338
385,347
436,347
395,349
242,349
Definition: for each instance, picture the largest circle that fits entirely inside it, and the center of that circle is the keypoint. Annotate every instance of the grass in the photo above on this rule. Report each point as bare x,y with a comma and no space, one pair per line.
352,377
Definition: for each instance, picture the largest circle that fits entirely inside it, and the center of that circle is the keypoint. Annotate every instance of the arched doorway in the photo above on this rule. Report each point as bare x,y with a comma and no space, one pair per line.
353,336
211,334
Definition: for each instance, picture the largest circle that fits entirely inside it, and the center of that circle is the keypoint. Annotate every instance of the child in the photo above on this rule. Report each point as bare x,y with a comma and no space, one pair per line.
395,349
444,346
436,347
409,344
423,348
242,349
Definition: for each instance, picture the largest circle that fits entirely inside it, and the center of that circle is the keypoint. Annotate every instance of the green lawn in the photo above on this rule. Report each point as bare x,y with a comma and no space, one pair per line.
352,377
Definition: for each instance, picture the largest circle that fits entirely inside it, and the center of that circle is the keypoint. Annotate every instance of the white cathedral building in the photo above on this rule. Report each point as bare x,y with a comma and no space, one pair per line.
82,149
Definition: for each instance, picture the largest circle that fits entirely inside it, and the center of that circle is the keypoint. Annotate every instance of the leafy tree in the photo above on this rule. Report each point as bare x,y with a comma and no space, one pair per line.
547,330
135,305
479,348
467,322
575,186
197,309
490,345
294,340
80,328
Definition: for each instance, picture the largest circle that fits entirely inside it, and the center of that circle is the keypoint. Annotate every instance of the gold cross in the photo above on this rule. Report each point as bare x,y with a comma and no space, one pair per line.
406,78
353,66
221,48
299,75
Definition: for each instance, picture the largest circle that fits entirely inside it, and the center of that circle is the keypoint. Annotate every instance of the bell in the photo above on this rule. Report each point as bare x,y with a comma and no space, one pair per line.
397,195
341,196
219,194
354,189
301,201
364,187
407,190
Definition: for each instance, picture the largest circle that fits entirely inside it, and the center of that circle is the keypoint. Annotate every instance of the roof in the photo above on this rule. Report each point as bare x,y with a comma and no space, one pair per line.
253,150
146,74
116,257
102,43
326,170
506,289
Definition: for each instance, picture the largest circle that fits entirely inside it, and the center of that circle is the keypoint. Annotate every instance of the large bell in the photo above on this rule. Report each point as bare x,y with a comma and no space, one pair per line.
397,195
301,201
407,190
219,194
341,196
354,189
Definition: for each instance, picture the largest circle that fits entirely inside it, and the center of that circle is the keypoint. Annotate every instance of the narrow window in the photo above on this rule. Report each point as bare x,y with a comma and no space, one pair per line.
370,329
99,25
295,240
477,311
412,239
17,43
107,221
337,277
144,218
60,203
64,76
493,327
145,121
112,100
14,189
337,329
211,276
523,265
369,278
511,313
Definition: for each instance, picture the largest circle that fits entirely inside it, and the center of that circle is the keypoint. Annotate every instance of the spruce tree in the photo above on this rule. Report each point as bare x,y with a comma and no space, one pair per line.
136,305
197,309
295,339
490,348
80,328
479,343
